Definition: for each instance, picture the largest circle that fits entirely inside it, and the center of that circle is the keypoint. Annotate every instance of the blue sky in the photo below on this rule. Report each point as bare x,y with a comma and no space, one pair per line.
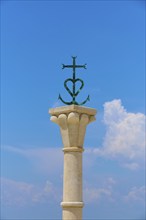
37,37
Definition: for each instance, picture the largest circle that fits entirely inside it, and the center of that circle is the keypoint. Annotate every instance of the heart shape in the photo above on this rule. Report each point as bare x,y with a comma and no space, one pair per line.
73,82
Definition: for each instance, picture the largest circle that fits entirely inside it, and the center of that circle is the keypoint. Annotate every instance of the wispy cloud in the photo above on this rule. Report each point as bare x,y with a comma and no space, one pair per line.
43,159
136,194
22,193
98,194
131,166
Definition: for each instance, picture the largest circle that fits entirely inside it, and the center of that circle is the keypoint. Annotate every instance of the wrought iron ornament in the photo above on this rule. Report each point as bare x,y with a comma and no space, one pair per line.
73,80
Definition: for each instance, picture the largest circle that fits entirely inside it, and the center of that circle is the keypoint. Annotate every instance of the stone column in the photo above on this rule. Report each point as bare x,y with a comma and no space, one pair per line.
72,120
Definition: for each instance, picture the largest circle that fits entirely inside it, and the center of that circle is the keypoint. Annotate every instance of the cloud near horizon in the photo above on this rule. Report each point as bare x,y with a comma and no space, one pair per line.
24,194
123,141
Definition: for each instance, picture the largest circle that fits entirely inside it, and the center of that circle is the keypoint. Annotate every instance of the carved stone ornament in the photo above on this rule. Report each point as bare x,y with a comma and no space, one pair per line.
73,125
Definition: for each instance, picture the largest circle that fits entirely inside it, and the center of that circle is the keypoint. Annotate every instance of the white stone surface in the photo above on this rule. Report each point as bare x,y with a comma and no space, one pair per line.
72,108
72,120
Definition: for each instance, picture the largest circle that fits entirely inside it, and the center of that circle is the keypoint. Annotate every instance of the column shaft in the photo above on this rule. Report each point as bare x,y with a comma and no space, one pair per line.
72,183
72,186
72,121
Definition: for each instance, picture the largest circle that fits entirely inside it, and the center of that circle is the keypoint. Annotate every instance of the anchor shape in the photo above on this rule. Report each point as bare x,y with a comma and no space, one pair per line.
74,93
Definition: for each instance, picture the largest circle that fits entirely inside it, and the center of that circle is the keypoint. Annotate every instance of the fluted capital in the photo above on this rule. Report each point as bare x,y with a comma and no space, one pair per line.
72,120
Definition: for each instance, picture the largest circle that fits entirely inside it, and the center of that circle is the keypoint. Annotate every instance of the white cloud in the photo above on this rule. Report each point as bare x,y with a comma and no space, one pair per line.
96,194
136,194
104,192
15,192
21,193
110,182
132,166
125,135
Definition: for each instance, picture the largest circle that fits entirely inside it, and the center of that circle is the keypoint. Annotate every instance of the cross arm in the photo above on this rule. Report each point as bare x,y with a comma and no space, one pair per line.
81,66
67,66
72,66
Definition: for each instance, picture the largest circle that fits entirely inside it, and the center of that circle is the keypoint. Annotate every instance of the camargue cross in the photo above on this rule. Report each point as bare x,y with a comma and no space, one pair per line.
74,80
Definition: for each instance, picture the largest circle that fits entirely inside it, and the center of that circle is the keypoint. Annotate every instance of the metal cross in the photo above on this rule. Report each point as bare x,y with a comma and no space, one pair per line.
73,93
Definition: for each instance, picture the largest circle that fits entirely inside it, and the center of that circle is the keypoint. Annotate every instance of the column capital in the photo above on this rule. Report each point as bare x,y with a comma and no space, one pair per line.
72,108
72,120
